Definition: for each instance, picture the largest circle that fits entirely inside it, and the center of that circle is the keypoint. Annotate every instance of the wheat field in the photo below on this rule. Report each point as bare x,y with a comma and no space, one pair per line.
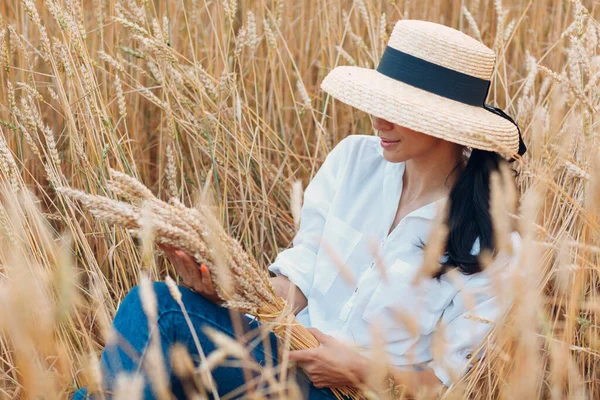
220,100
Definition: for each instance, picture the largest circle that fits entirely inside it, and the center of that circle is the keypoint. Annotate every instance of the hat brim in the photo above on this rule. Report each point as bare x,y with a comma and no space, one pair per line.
372,92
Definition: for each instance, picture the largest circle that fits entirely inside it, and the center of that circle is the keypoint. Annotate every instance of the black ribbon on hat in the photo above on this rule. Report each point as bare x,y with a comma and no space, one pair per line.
498,111
442,81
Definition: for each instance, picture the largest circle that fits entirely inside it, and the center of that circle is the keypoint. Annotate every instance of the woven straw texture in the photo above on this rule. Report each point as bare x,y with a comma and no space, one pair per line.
444,46
422,111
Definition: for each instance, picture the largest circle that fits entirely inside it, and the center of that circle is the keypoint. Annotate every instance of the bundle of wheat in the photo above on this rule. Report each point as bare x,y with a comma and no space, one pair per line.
238,279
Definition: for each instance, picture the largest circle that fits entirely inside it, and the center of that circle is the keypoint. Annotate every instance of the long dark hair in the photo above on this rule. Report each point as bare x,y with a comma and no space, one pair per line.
469,213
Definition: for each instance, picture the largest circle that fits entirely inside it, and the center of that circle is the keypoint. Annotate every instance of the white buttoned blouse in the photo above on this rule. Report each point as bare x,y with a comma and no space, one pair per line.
352,200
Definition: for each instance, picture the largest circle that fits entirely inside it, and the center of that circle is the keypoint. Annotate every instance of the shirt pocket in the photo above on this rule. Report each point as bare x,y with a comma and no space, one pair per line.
340,239
405,310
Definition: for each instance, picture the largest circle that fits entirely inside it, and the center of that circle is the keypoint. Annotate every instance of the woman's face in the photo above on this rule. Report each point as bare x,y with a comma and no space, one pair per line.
400,143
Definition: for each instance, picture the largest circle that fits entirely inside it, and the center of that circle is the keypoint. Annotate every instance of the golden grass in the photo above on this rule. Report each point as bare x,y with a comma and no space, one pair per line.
220,100
239,280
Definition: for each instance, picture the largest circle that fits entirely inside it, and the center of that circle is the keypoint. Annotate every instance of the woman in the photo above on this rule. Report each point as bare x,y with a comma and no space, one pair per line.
427,99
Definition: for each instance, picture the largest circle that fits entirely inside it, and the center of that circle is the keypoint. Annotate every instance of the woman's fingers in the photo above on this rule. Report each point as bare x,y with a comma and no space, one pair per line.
182,270
169,253
174,256
189,272
188,259
207,280
193,275
194,270
166,247
309,375
181,265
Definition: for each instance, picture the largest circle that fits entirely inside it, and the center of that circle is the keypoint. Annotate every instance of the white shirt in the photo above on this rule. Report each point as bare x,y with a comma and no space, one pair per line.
352,199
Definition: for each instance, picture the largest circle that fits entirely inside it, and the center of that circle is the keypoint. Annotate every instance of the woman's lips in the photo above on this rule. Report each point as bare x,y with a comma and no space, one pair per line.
388,143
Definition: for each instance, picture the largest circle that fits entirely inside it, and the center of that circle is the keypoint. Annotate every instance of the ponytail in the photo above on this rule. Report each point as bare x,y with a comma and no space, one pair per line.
469,213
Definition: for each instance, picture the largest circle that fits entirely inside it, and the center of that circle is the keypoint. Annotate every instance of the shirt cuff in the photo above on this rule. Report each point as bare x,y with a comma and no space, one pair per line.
298,276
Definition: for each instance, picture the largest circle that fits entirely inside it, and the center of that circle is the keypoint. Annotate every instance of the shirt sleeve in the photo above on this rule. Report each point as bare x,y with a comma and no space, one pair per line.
297,263
483,300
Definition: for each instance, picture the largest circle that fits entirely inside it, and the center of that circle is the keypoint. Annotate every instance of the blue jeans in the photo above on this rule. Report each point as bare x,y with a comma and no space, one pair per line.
133,336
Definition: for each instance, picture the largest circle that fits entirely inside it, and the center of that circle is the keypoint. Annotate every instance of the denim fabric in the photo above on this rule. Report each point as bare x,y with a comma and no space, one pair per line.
133,334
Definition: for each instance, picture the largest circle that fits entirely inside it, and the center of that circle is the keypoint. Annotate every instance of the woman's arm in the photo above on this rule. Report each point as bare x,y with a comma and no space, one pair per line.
198,278
297,263
284,288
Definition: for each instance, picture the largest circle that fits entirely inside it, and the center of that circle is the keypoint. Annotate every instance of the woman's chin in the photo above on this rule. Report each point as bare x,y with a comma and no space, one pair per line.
393,156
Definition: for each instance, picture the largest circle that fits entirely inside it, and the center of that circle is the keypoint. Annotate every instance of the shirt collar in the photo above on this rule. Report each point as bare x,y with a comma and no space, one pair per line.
428,211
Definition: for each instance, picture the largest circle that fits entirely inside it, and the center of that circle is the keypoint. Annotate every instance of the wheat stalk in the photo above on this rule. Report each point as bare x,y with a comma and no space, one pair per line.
238,278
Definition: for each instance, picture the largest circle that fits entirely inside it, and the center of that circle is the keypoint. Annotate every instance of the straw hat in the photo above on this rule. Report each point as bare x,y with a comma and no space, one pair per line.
432,79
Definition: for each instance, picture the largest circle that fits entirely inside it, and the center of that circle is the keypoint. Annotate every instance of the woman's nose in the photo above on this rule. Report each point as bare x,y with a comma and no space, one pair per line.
381,124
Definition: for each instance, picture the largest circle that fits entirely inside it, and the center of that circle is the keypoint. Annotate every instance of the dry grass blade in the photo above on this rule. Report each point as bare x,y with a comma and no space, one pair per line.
93,83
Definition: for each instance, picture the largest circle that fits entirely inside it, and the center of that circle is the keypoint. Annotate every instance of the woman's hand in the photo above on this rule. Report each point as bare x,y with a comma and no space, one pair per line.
194,276
282,286
333,364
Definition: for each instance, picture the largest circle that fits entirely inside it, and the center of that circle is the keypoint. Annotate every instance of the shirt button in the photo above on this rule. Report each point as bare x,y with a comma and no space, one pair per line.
356,290
468,356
